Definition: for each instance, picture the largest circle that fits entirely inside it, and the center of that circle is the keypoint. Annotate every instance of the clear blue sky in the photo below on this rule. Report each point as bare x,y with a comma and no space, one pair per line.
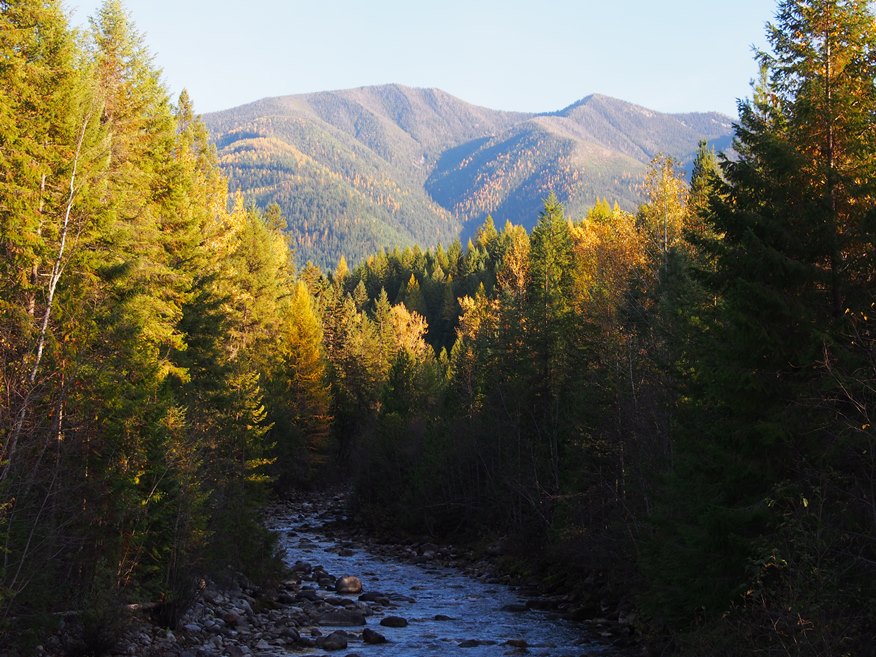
533,55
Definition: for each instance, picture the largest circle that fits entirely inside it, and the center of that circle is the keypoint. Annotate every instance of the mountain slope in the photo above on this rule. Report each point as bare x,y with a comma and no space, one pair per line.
597,147
373,167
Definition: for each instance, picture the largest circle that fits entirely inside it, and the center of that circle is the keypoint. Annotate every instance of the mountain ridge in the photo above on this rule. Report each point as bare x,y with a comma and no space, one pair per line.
356,170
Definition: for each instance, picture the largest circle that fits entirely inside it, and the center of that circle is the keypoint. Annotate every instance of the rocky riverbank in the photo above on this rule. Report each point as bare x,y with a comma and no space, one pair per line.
583,602
315,611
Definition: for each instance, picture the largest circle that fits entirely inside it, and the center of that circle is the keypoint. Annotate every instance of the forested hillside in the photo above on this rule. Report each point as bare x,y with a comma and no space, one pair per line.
663,413
150,344
347,168
357,170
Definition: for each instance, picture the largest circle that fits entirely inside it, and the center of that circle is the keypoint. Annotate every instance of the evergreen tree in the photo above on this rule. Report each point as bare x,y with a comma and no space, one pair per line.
50,157
704,174
550,294
760,459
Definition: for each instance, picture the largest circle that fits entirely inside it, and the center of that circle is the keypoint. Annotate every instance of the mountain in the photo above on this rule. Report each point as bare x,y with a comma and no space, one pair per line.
361,169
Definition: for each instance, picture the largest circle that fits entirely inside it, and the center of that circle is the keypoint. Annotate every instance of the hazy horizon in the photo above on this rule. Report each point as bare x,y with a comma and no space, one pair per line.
688,55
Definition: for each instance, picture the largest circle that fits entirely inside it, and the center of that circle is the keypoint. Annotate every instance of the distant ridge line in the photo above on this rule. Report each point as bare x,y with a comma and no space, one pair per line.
392,165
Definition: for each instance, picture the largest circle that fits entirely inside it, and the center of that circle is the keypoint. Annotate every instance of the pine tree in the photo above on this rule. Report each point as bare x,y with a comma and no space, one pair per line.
763,454
550,294
50,157
704,175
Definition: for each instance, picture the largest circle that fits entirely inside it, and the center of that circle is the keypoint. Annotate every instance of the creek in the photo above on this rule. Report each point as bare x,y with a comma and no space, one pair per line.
448,611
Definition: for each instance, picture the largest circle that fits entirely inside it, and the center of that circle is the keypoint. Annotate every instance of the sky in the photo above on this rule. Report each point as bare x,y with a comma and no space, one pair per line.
533,56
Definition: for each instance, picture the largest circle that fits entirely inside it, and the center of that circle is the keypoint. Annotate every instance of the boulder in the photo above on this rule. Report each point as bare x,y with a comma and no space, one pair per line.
398,597
394,621
341,618
348,584
334,641
375,596
232,619
291,634
372,637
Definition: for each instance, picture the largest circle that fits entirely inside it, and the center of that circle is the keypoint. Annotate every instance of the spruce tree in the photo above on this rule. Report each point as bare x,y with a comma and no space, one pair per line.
764,449
50,158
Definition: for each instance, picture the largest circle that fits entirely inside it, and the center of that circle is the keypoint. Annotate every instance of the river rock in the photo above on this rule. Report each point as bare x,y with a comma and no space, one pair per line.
398,597
372,637
341,618
291,634
376,597
246,607
348,584
394,621
517,643
334,641
232,619
308,595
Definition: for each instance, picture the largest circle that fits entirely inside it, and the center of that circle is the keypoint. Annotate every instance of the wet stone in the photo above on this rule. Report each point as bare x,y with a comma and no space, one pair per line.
348,584
334,641
371,637
341,618
240,620
374,596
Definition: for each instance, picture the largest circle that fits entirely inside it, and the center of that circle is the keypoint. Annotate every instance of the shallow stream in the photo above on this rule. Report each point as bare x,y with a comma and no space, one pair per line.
449,612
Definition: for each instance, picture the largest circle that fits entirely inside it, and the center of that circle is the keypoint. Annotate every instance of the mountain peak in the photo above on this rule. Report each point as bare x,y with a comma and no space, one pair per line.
356,170
602,102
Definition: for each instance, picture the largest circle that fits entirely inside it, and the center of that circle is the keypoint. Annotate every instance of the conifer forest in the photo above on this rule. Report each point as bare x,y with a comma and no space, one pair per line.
676,404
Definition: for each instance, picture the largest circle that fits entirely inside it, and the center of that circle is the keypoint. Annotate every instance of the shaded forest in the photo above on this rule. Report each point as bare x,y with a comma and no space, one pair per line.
672,406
